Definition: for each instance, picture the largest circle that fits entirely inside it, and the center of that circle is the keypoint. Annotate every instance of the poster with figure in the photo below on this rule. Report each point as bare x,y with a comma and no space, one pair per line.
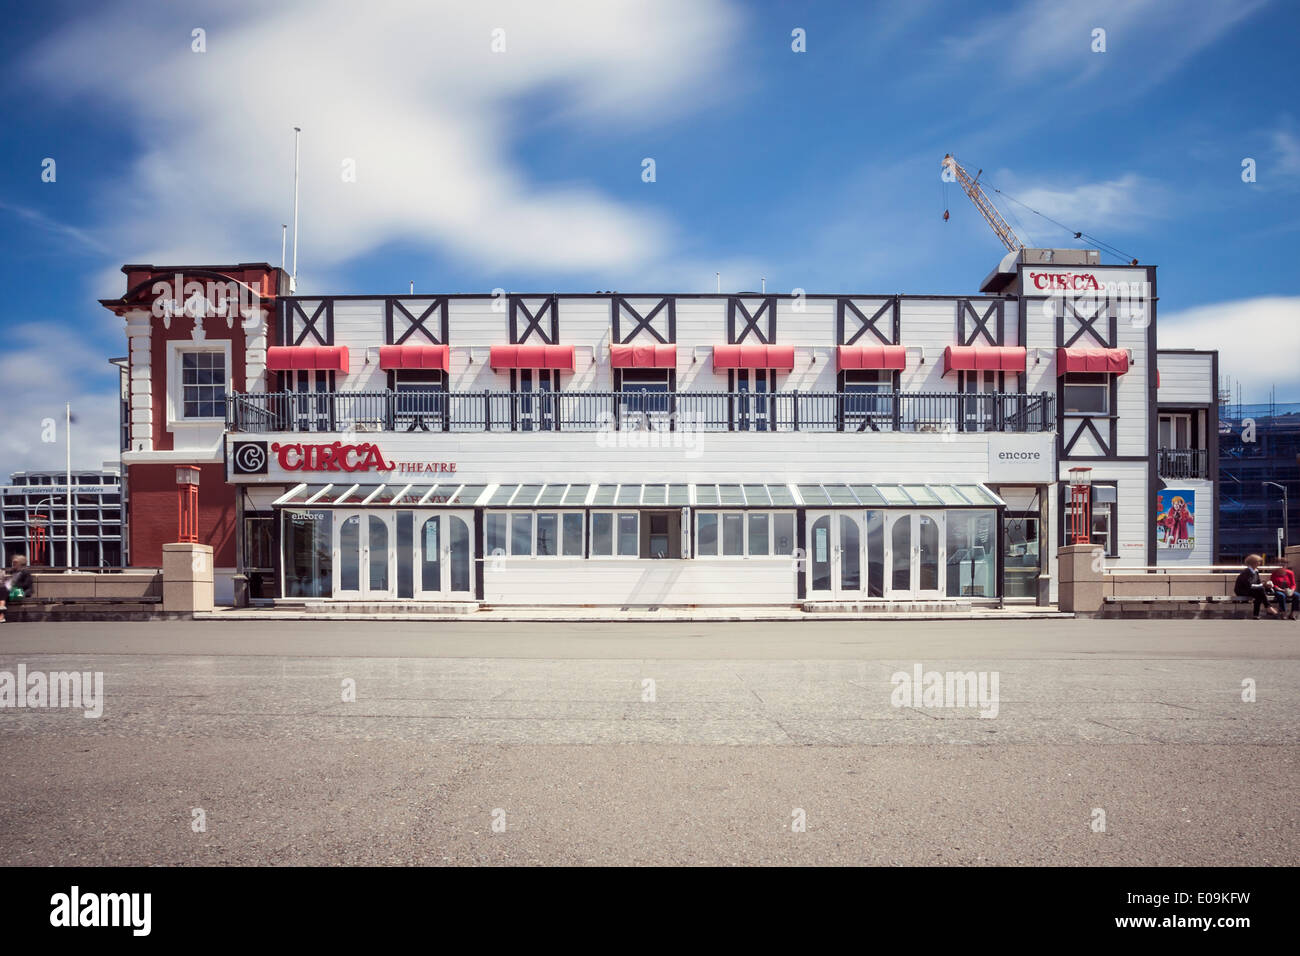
1176,519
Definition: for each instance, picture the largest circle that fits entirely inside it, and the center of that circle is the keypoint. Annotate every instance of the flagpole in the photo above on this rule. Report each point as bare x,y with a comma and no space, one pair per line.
67,428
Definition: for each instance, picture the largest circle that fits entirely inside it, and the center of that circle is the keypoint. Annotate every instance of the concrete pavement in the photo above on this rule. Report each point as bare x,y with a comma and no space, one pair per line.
647,744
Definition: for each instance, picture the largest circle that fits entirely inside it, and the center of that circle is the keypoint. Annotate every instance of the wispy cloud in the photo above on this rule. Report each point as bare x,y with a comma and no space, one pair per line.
1053,41
55,228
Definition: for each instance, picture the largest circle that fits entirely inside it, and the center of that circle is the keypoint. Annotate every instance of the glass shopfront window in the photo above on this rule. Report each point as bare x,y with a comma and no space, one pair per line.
972,553
308,566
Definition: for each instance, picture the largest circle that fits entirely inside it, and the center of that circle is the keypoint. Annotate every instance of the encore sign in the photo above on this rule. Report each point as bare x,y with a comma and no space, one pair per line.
337,456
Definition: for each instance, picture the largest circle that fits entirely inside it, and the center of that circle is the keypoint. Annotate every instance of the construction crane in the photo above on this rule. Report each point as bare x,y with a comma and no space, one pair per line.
982,202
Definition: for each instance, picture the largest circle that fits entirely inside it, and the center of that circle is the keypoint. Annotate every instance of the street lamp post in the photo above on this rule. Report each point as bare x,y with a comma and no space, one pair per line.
1286,516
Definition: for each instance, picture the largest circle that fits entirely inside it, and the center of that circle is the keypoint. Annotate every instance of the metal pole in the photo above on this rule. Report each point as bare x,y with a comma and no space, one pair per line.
293,279
67,428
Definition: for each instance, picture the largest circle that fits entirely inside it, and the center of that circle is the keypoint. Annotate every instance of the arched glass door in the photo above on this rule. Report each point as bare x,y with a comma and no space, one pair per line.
916,554
364,557
834,555
444,555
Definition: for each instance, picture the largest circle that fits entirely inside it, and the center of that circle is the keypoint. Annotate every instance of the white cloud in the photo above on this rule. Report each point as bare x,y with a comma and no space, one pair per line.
412,94
36,379
1125,204
1258,341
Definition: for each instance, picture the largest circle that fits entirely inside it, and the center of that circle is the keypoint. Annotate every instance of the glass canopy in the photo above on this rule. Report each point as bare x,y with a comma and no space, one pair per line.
822,495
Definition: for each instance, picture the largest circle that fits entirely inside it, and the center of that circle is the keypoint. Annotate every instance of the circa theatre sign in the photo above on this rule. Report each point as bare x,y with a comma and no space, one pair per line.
252,458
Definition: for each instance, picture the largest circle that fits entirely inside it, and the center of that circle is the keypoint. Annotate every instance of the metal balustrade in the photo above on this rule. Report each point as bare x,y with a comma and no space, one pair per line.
934,412
1183,463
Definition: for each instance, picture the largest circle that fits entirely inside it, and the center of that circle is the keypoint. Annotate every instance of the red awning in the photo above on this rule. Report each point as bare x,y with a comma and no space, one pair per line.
532,356
643,356
892,357
779,357
415,356
284,358
983,358
1114,361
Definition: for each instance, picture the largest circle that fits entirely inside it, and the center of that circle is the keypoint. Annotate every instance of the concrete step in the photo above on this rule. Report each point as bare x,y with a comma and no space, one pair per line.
887,607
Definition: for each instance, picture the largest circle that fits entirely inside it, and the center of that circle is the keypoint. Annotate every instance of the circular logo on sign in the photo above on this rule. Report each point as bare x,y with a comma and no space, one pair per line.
250,458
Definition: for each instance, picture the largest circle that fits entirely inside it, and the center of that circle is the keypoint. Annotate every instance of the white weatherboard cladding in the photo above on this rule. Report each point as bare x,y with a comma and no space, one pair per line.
1134,502
633,582
1132,388
1186,378
644,456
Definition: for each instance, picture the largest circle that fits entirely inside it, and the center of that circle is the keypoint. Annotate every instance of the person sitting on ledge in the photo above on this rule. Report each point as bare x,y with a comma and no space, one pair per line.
1250,585
17,585
1283,581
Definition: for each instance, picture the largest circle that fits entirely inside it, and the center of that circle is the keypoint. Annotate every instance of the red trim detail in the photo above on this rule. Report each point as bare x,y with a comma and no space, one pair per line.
643,356
892,357
415,356
284,358
1112,361
532,356
779,357
983,358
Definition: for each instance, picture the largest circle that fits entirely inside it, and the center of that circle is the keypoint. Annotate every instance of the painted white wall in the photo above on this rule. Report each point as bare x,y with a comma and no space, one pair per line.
623,582
1186,378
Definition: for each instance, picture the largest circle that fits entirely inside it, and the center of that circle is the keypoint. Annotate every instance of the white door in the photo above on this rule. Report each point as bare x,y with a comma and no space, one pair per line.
834,555
365,556
444,554
914,554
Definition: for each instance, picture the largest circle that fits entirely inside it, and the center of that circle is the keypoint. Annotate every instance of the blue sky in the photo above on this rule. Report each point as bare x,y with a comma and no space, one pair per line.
522,169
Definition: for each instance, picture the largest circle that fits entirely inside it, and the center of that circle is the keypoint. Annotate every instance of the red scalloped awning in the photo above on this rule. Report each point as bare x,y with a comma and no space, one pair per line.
1112,361
643,356
532,356
415,356
852,357
983,358
779,357
284,358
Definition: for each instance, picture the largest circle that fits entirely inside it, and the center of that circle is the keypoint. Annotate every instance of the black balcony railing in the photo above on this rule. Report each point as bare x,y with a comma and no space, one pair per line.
595,411
1183,463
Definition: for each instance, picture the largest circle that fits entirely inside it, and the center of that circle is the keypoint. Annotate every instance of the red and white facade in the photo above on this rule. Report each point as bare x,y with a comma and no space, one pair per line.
646,449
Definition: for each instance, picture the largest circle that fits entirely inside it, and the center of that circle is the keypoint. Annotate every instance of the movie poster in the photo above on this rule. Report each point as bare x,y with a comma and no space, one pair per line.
1176,519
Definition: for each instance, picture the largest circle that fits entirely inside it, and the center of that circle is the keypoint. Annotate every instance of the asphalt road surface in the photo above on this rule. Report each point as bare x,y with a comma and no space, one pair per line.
1116,742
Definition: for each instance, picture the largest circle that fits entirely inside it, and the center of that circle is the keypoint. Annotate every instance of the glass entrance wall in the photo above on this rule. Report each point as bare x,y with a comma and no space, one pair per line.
307,538
972,554
1021,562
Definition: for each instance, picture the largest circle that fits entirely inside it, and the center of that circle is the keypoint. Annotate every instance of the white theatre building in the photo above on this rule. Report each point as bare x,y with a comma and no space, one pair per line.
667,448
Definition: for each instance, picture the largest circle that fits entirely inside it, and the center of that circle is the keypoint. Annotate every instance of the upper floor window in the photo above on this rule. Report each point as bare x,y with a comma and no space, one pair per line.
203,384
1087,393
1176,431
866,394
645,392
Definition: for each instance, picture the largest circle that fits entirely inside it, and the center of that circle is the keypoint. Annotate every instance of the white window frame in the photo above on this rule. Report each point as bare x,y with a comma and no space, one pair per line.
614,513
509,515
176,389
744,534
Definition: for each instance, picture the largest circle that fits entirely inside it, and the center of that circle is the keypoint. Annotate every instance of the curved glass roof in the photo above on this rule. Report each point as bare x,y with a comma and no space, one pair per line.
563,495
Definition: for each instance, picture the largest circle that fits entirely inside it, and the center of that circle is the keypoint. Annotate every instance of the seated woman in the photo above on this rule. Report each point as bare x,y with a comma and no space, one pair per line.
1283,582
17,585
1250,585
